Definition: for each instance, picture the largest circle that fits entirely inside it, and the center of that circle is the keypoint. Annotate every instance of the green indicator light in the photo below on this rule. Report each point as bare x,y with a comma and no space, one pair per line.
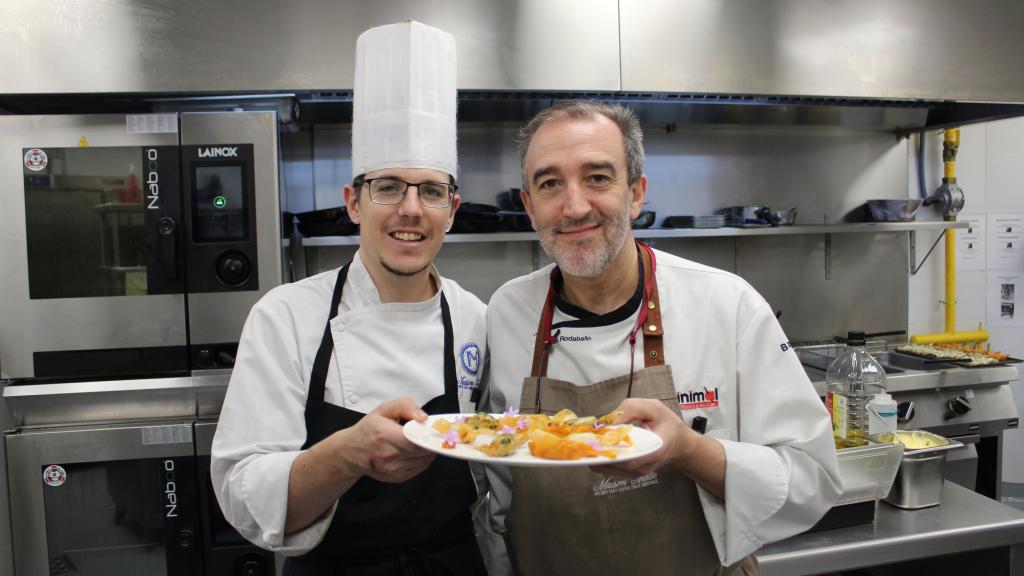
220,201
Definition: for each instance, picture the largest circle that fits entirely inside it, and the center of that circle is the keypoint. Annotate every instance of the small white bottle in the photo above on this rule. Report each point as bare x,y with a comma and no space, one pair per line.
885,406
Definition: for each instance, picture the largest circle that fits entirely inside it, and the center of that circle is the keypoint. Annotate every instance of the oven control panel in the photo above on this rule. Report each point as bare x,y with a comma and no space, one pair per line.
220,208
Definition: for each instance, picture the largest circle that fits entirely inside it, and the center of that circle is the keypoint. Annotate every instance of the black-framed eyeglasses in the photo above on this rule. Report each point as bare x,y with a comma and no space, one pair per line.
389,191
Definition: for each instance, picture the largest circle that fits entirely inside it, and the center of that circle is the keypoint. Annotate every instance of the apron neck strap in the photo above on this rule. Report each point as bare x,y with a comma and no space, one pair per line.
648,320
318,377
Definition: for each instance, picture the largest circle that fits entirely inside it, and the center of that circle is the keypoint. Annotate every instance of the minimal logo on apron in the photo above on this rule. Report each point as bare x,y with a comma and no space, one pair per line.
470,358
35,160
54,475
616,485
699,399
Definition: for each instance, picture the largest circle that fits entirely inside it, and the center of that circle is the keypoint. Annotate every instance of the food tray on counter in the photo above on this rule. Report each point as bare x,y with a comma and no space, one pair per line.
923,357
920,356
967,363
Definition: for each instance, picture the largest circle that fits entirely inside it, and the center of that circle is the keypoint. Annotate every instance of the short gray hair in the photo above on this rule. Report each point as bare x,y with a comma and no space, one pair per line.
623,117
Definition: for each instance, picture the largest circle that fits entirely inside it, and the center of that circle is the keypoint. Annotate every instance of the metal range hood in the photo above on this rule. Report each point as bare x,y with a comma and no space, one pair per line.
659,108
878,64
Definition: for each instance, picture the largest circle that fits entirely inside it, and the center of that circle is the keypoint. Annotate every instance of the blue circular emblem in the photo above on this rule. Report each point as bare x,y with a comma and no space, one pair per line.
470,358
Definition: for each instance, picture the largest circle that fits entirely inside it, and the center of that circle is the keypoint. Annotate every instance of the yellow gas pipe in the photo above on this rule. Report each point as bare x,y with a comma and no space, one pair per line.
950,144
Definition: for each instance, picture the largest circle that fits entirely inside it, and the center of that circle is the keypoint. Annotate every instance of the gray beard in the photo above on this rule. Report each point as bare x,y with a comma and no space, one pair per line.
587,264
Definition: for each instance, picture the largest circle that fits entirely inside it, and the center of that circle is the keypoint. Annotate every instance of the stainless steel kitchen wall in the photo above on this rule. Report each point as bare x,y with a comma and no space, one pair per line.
824,285
918,49
259,45
926,49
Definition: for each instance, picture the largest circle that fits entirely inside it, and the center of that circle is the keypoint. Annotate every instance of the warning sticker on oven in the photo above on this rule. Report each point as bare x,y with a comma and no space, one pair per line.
54,475
35,159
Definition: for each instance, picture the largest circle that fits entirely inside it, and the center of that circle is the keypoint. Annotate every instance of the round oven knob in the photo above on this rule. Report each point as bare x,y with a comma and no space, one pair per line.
957,406
225,358
165,226
904,412
233,268
251,567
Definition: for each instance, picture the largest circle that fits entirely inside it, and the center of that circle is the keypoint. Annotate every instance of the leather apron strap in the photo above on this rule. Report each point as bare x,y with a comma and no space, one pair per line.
648,321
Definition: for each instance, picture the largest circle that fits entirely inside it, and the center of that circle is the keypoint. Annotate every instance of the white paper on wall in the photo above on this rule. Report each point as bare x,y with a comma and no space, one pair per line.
1004,299
970,243
1005,241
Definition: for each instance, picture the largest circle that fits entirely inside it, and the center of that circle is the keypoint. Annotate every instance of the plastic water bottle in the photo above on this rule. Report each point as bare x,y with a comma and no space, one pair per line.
885,406
853,379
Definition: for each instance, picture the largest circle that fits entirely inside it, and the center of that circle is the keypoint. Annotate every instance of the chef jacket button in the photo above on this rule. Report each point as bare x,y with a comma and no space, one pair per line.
353,398
650,305
652,327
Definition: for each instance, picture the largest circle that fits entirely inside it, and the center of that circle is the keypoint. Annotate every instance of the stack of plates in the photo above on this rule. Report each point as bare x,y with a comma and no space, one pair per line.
716,221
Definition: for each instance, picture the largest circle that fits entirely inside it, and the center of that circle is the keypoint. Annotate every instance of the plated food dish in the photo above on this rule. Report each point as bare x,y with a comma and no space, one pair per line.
564,439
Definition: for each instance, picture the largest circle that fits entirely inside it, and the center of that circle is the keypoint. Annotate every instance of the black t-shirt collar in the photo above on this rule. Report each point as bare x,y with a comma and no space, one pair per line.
585,318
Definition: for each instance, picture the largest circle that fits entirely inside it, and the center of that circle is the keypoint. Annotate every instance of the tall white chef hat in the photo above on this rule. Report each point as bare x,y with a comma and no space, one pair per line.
403,112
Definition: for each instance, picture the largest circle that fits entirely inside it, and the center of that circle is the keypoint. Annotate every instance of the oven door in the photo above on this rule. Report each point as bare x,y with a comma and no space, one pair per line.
225,551
113,500
92,272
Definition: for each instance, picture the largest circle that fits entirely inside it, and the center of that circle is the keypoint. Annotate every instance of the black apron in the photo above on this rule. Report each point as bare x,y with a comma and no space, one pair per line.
421,527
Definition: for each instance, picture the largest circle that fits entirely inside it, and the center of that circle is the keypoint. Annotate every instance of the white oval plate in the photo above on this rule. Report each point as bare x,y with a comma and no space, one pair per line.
423,435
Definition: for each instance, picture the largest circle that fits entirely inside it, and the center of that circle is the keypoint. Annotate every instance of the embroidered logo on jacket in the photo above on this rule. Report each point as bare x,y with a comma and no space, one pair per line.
469,356
699,399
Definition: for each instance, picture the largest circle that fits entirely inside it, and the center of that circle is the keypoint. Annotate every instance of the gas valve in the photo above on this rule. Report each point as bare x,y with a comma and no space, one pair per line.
949,197
957,406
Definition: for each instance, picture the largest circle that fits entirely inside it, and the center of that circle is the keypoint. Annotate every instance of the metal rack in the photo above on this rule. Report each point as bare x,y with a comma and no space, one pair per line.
655,233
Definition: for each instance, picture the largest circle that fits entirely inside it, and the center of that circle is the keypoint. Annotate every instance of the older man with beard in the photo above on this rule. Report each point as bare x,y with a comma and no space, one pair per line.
614,323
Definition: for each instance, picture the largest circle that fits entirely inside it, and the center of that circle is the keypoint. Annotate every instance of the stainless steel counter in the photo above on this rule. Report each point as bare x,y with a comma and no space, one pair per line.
908,379
965,521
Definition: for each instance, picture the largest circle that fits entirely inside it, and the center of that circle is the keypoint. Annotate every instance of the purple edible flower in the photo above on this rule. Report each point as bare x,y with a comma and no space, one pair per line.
511,412
507,430
599,425
460,419
522,424
451,437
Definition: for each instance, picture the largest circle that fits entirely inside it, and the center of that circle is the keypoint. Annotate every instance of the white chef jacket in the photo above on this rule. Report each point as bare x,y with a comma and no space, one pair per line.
731,363
381,351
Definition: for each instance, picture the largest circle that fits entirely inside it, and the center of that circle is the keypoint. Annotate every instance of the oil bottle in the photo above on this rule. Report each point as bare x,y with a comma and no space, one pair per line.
853,379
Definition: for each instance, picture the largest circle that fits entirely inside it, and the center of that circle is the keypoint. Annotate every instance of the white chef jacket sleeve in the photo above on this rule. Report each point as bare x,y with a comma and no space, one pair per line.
262,429
781,469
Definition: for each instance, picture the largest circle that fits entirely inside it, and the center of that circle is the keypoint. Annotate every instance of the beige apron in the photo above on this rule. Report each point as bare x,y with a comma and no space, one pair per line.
586,523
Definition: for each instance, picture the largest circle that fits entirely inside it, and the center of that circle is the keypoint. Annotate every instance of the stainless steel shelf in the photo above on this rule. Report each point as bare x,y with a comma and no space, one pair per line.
858,228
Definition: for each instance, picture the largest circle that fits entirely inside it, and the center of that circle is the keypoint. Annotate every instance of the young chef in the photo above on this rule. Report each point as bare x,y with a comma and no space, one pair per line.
615,320
309,459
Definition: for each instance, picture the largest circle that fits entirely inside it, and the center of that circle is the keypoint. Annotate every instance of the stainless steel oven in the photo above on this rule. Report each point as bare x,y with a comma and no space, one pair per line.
134,245
125,499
